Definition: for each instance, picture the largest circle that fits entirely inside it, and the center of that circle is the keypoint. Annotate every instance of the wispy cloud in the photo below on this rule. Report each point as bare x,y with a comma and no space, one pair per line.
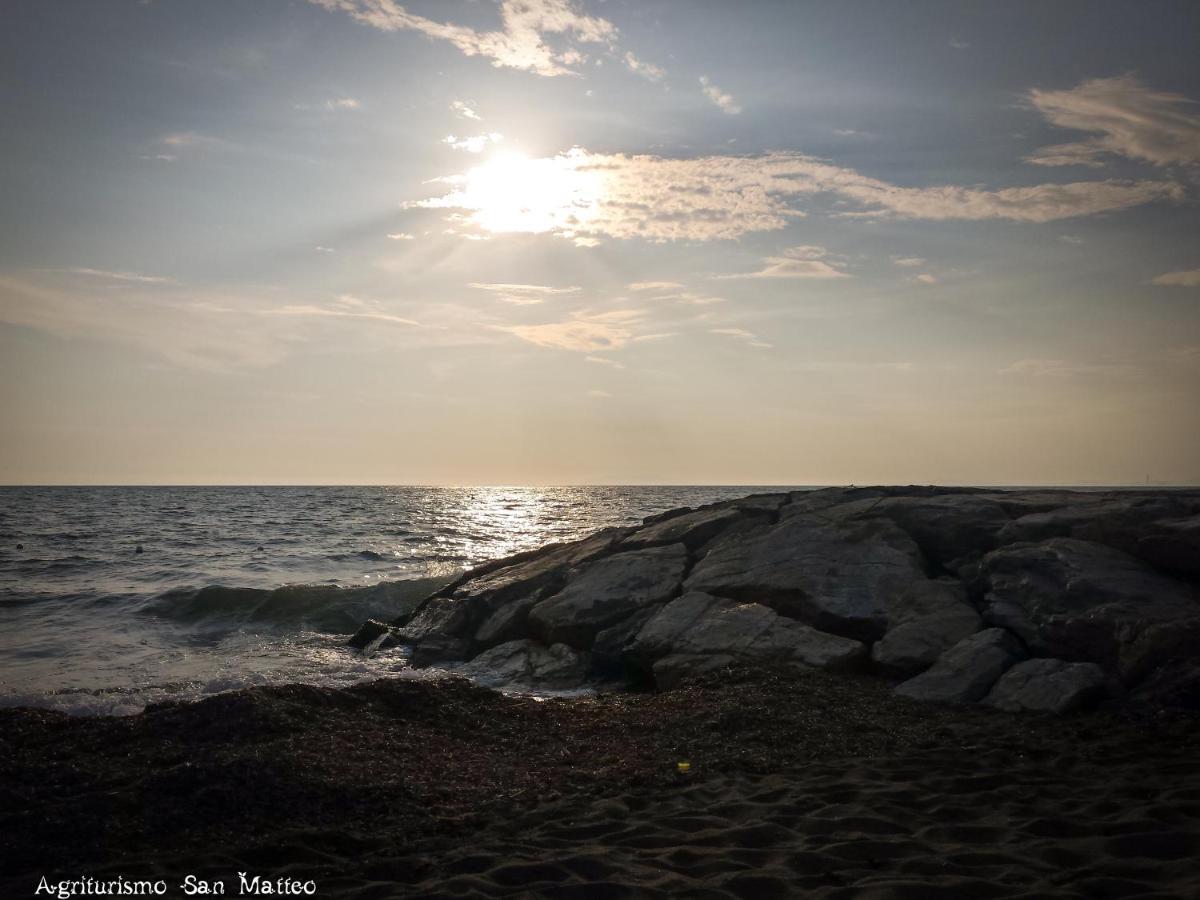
401,236
522,294
520,43
334,105
1128,118
584,332
136,277
321,249
603,361
476,144
749,337
345,306
925,278
958,44
647,70
909,262
807,261
1061,368
721,99
461,109
655,285
1188,278
587,196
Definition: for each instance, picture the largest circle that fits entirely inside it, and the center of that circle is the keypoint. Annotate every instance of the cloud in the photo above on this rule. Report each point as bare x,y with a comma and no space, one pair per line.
1128,118
521,43
584,332
806,261
401,236
1060,368
1188,278
655,285
135,277
464,111
321,249
910,262
476,144
522,294
647,70
958,44
346,306
1070,239
723,101
596,392
742,334
925,278
603,361
188,330
586,196
334,105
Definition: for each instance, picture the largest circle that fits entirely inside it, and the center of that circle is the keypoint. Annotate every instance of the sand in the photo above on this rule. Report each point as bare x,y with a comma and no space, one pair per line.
800,784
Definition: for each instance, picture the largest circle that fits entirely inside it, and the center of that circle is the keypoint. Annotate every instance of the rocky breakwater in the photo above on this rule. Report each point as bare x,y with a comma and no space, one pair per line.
1021,600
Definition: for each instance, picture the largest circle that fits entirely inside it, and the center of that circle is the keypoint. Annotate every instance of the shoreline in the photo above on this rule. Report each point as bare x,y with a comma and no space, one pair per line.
797,780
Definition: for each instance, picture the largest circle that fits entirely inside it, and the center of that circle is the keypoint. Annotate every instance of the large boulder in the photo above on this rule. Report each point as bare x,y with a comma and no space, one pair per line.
698,632
611,646
1086,602
966,672
840,577
1047,685
928,619
1116,520
1173,545
691,529
529,663
602,593
459,612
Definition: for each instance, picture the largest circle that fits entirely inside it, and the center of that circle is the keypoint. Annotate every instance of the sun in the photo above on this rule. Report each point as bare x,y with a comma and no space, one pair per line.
513,193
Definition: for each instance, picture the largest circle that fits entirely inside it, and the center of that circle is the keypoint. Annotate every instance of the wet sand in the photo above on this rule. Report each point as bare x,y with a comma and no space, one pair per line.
799,784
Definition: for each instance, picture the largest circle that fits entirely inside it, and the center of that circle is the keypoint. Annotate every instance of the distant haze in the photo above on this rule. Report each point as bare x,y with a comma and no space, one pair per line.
622,242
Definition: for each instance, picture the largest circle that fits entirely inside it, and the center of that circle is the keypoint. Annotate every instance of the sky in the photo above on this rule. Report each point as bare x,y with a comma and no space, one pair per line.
578,241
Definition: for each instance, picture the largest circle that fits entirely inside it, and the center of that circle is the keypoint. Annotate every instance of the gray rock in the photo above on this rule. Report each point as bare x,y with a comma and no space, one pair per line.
966,672
369,632
766,504
662,630
691,529
438,618
436,651
530,664
1086,602
602,593
462,609
613,643
695,629
509,623
1047,685
1173,544
1116,520
840,577
929,618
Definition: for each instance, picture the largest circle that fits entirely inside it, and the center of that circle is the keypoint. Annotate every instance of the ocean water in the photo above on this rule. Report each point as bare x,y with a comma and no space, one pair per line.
239,586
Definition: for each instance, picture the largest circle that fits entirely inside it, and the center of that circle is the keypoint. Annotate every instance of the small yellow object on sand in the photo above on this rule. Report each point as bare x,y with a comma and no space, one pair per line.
684,767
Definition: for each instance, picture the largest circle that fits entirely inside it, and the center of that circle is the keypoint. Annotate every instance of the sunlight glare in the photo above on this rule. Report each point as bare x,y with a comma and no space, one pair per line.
513,193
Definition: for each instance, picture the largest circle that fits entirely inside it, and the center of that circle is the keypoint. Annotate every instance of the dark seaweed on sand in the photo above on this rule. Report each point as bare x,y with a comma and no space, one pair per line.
395,780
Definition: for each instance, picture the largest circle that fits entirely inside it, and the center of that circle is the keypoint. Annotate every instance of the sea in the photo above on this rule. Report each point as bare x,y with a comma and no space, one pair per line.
114,598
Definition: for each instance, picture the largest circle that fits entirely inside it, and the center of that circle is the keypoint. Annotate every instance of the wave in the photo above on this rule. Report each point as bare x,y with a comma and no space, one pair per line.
318,607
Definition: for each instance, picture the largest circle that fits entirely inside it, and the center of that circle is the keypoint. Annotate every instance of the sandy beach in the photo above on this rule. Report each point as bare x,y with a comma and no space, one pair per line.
800,783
